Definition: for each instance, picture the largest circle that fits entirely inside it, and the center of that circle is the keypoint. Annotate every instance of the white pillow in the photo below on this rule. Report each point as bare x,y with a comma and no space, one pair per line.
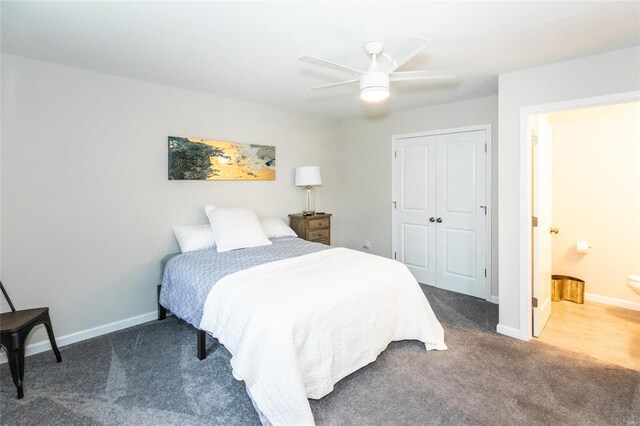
235,228
209,209
191,238
275,227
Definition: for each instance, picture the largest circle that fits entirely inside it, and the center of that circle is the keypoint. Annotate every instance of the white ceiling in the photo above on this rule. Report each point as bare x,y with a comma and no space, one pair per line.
248,51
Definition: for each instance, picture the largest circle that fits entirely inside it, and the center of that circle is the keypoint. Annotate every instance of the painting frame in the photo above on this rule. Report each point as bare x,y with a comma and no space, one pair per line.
215,160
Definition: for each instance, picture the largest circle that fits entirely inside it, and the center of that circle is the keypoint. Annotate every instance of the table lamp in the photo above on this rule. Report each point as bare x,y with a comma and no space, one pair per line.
308,177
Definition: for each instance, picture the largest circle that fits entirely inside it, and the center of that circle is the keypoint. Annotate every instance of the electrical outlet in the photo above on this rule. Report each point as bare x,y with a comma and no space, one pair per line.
367,245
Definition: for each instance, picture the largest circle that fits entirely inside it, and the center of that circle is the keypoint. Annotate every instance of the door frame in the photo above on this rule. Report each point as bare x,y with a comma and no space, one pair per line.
526,174
487,128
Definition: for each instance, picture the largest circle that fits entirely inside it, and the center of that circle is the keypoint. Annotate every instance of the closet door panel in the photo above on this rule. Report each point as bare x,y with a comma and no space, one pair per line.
415,190
460,197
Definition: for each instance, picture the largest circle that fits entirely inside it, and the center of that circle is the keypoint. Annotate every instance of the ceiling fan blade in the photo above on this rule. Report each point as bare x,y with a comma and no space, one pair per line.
326,86
417,75
328,64
390,63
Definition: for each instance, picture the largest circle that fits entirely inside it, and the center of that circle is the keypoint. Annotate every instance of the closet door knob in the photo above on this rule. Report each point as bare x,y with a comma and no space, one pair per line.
439,220
432,219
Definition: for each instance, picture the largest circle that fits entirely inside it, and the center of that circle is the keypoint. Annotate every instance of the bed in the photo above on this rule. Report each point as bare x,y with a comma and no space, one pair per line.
296,316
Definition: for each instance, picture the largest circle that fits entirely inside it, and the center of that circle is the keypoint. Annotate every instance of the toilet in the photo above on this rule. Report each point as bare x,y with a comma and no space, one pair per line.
634,282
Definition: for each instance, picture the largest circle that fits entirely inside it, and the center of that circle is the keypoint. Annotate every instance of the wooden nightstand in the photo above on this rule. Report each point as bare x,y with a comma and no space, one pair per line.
316,228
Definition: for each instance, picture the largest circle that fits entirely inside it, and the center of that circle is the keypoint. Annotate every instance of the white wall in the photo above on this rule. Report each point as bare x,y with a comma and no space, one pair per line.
367,154
607,73
86,204
596,196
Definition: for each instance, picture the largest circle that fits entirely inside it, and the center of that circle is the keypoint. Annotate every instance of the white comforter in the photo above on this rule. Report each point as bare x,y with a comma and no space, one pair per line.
297,326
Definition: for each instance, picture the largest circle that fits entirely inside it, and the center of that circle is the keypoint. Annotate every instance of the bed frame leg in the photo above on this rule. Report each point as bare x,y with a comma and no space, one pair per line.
202,345
162,312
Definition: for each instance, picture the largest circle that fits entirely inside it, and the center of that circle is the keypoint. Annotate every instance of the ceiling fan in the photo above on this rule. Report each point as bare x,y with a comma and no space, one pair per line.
374,83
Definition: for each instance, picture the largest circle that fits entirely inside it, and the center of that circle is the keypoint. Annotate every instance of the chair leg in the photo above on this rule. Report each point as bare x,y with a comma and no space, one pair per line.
15,355
52,338
162,312
202,345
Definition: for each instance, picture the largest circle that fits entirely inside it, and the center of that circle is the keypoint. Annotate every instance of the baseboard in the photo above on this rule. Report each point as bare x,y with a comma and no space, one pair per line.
612,301
495,300
509,331
79,336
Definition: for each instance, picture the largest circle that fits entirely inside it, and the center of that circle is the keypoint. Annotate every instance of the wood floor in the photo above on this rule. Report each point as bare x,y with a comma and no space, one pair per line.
605,332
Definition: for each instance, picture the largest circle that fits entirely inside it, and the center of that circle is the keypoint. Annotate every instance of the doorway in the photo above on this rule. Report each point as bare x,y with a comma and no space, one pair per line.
584,205
440,208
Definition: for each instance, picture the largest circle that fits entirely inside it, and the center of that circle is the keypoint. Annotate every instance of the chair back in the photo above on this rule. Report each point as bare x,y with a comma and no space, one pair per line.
6,296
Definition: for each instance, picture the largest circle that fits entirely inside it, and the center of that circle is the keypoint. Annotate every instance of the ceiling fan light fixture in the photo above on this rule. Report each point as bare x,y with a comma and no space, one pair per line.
374,83
374,94
374,86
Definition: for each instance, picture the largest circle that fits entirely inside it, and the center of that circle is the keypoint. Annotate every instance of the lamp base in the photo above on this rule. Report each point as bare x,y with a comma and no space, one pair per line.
309,202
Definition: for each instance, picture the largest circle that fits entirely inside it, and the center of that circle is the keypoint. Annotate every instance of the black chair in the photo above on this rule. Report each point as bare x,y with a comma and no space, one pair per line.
15,326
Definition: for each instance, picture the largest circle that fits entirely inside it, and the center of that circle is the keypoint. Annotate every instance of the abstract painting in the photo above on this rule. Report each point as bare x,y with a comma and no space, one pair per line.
202,159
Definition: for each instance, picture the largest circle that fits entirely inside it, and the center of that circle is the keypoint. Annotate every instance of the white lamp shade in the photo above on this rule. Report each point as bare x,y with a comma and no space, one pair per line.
308,176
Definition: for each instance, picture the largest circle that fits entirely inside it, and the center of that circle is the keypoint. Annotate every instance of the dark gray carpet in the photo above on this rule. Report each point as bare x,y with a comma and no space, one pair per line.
149,375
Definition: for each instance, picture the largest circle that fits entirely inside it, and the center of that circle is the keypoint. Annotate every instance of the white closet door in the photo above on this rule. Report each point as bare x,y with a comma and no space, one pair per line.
415,190
461,235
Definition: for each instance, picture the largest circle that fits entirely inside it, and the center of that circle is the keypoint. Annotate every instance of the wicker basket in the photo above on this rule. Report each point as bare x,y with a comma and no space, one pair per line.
564,287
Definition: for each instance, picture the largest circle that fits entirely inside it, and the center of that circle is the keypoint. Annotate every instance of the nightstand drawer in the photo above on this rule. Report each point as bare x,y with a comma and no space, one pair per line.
318,223
316,228
318,235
